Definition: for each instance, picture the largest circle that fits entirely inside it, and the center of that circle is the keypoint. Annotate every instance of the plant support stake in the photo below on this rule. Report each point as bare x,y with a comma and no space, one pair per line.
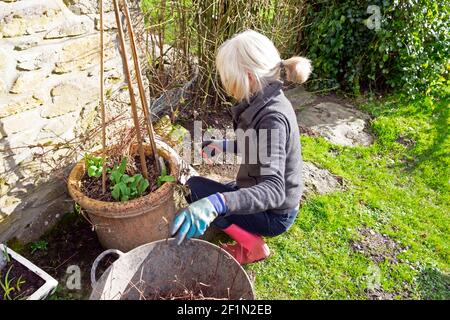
130,89
137,67
102,99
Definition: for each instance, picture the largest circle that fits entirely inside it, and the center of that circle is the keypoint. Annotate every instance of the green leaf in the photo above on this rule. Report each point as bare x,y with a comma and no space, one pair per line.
143,185
135,181
161,179
94,165
168,179
126,179
163,171
91,171
115,192
123,189
123,165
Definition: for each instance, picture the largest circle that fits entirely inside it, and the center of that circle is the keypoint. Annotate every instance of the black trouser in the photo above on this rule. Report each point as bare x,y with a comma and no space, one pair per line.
263,223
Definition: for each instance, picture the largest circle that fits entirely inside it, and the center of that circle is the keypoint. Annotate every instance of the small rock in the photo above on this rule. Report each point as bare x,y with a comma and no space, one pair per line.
29,65
27,80
21,122
88,6
338,124
29,62
68,29
82,53
25,45
19,105
109,22
28,20
68,97
59,125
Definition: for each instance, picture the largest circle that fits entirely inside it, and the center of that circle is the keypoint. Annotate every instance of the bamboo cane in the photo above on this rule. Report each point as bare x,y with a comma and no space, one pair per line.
131,91
137,67
102,99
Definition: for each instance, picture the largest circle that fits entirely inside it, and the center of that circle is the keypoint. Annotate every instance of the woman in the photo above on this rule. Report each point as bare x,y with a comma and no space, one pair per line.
265,199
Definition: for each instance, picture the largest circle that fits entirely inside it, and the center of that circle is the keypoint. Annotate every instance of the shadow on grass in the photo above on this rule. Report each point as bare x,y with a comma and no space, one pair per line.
434,285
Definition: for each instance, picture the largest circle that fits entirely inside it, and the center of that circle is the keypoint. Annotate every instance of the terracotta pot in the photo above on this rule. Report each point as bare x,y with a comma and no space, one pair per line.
127,225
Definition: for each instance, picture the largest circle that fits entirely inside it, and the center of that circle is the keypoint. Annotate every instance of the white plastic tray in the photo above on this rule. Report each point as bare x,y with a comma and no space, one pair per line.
50,283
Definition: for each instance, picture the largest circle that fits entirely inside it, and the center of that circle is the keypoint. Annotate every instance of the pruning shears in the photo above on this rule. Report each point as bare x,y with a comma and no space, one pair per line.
211,153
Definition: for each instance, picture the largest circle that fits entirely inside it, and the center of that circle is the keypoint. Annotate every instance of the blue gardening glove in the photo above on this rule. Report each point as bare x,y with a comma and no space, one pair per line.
196,218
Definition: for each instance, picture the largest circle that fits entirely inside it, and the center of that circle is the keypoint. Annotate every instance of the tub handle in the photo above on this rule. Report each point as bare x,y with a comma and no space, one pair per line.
97,261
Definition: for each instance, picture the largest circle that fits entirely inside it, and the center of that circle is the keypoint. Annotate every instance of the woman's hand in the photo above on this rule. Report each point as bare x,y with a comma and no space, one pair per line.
211,148
196,218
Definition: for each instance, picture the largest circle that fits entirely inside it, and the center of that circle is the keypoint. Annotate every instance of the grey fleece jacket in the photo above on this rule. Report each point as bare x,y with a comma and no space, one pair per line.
268,140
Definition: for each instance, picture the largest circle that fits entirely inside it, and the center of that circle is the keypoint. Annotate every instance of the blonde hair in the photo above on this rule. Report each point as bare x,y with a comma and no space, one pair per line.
251,54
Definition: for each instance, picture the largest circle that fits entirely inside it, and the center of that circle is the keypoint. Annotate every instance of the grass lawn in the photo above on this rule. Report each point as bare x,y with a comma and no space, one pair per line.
398,188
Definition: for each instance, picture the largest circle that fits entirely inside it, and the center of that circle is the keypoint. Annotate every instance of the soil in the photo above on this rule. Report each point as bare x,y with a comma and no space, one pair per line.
376,246
92,186
378,294
320,181
71,243
31,281
217,118
305,131
189,296
223,173
407,142
186,295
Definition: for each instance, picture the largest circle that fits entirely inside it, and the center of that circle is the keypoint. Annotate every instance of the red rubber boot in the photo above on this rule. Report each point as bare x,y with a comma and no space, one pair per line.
249,247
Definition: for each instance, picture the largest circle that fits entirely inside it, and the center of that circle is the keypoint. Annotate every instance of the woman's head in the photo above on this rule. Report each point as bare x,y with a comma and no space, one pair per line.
249,60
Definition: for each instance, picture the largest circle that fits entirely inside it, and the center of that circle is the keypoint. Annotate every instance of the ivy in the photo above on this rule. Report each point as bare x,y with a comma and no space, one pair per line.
409,51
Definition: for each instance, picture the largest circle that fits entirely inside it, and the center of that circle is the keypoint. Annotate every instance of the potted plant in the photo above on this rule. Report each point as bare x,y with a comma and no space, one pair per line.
127,189
20,279
134,210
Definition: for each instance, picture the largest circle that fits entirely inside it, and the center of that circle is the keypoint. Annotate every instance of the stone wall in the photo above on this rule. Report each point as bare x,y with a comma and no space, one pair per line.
49,92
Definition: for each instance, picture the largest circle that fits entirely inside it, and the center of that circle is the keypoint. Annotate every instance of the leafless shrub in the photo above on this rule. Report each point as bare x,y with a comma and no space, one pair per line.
183,35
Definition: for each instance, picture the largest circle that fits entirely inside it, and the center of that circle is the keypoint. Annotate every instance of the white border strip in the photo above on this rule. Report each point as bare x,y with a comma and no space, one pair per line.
50,283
